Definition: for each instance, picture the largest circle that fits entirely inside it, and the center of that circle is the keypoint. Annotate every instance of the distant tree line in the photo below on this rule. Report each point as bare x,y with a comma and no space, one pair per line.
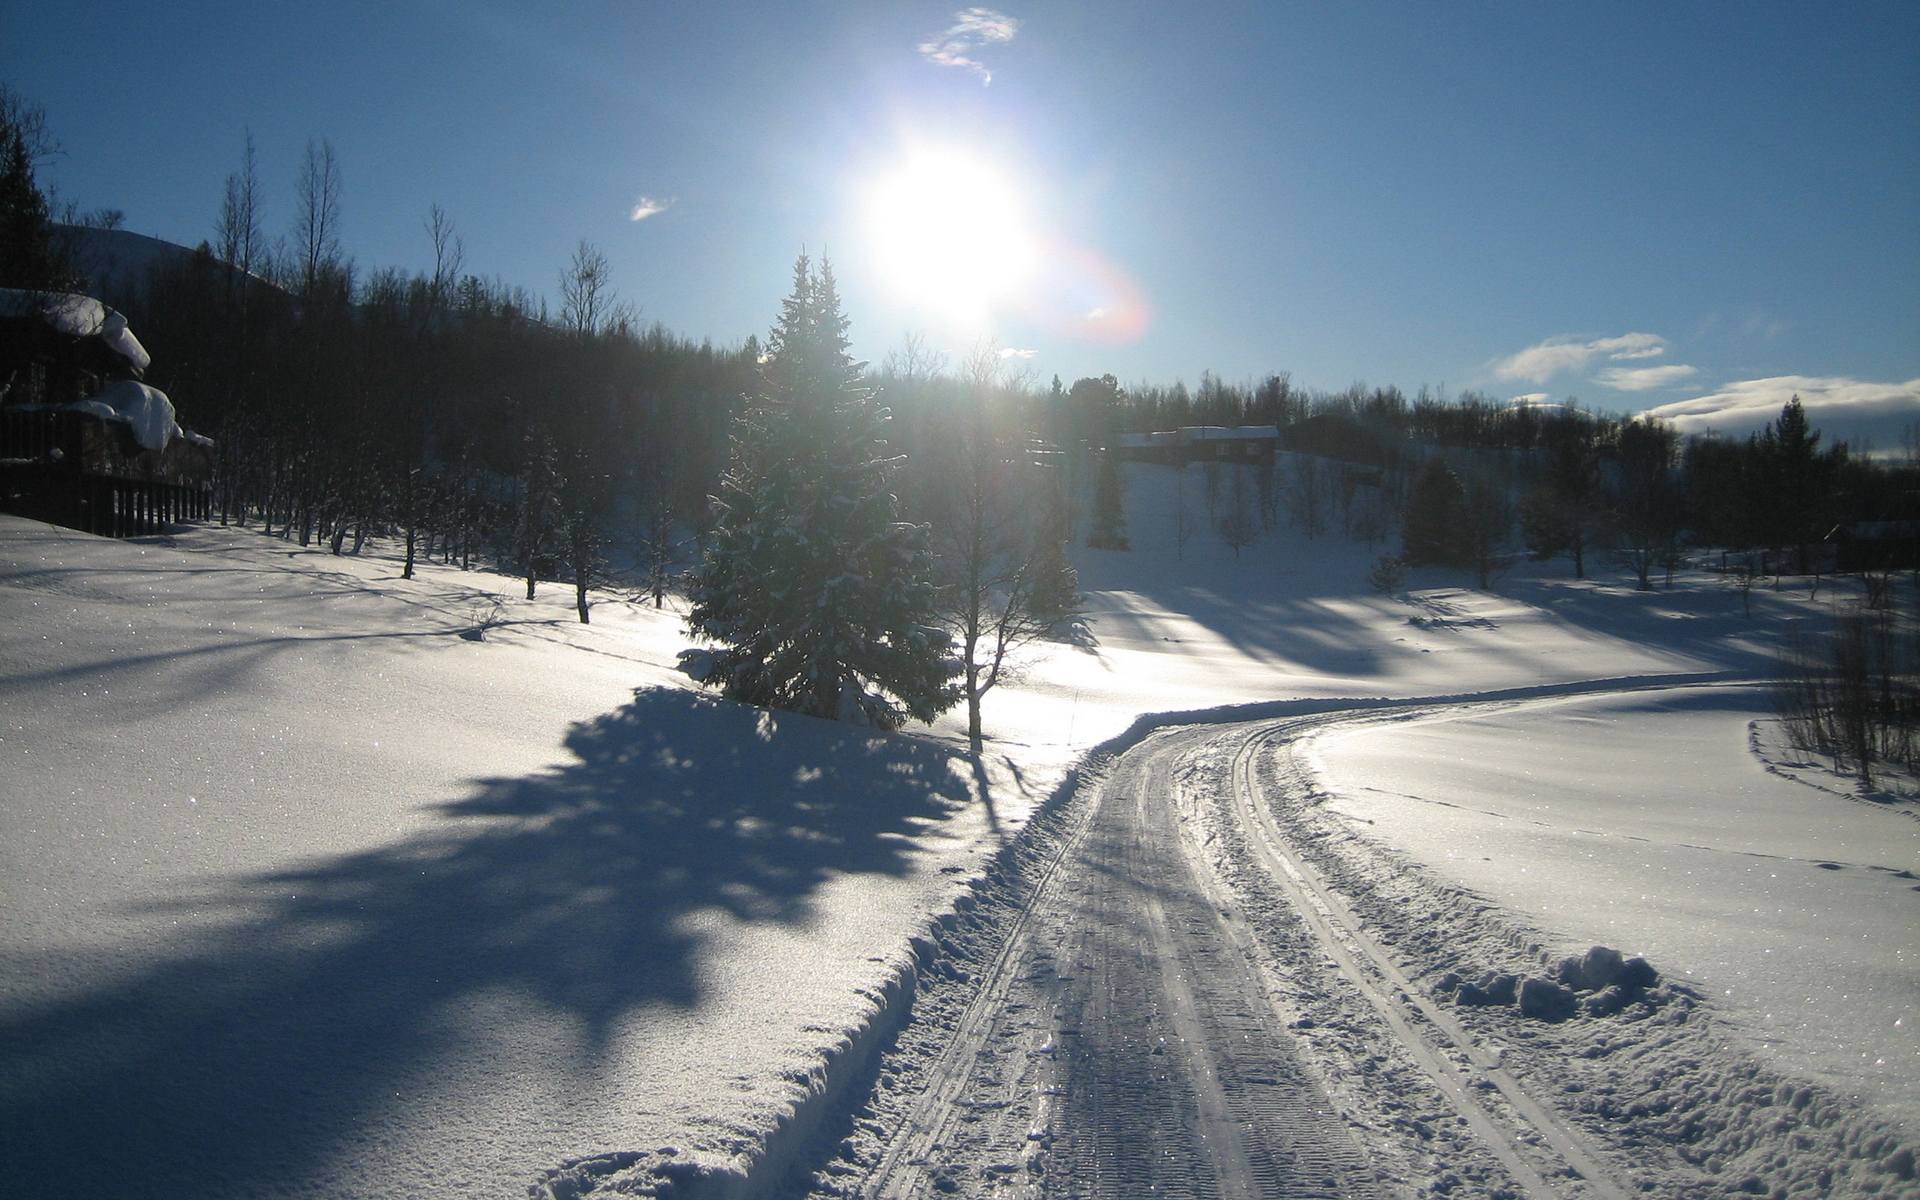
451,411
1470,481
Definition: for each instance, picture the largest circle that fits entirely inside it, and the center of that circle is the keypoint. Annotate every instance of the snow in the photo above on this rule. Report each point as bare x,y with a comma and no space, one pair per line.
77,316
146,409
309,895
325,883
1646,822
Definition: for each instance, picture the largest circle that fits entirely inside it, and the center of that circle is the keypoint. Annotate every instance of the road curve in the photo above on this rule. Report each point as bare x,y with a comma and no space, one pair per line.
1176,998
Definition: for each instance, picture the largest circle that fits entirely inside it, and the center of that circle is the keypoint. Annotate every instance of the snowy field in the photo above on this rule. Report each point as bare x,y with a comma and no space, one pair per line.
324,883
309,894
1646,822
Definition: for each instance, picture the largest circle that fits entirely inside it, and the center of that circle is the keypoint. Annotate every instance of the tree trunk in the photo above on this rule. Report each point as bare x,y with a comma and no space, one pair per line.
974,690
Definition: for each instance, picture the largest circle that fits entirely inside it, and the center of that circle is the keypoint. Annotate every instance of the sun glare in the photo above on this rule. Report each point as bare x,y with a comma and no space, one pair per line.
951,233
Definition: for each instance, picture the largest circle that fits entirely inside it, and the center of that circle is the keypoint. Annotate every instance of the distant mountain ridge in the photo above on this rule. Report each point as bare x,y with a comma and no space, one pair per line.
119,259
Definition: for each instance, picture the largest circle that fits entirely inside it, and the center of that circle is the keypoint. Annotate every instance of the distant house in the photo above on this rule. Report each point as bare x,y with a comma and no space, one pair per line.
1875,545
84,443
1196,443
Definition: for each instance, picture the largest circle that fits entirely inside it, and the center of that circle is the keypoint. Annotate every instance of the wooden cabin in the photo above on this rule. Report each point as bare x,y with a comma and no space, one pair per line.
1875,546
1201,443
83,442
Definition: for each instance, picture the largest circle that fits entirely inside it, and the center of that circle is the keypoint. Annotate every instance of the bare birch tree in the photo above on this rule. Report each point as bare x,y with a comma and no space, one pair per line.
316,225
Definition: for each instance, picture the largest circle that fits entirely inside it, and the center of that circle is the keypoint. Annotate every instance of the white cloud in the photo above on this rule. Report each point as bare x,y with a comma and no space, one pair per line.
1630,345
1529,398
972,29
1541,362
1843,409
1644,379
648,206
1010,352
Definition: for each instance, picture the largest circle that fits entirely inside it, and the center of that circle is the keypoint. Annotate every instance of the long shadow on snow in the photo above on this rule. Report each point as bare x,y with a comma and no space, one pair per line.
239,1065
1304,632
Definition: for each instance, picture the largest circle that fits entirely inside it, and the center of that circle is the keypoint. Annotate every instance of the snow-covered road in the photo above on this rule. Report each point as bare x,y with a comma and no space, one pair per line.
1206,984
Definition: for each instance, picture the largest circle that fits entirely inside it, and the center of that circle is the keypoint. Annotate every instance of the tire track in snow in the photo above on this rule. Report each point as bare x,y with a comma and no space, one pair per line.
1366,964
1652,1097
1122,1043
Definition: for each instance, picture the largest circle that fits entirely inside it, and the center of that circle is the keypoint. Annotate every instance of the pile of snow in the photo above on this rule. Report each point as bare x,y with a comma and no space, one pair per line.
77,316
146,409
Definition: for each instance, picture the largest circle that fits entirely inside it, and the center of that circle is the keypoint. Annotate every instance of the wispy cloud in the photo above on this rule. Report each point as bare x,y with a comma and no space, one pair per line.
648,206
1541,362
1010,352
1644,379
1529,398
972,29
1842,408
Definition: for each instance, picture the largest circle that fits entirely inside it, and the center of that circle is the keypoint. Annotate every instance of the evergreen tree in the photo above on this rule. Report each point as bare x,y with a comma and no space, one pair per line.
1647,499
1437,532
1109,523
818,599
1567,512
29,258
1056,597
1802,481
1488,517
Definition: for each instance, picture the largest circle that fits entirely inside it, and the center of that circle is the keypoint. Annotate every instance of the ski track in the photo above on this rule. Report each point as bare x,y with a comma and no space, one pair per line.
1191,981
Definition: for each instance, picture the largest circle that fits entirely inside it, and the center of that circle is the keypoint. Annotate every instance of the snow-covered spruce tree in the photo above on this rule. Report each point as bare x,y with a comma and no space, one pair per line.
816,598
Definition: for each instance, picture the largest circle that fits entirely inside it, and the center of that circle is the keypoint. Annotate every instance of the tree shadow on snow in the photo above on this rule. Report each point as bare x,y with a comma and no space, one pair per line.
238,1065
1306,633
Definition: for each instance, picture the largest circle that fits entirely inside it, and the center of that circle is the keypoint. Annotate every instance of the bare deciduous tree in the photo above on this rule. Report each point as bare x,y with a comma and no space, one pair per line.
316,225
1005,583
586,291
1239,524
913,361
449,254
239,239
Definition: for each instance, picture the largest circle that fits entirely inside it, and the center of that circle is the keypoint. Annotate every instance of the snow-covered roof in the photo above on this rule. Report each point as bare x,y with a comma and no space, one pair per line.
77,316
1220,433
1199,433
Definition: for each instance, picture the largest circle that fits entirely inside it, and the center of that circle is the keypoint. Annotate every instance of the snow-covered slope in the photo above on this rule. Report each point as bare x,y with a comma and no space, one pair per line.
309,894
321,882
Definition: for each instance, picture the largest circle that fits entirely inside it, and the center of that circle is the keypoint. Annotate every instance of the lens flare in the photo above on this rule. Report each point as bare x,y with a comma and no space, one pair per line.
1082,294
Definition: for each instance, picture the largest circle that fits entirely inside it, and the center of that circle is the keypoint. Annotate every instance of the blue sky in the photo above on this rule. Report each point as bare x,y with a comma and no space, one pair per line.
1638,204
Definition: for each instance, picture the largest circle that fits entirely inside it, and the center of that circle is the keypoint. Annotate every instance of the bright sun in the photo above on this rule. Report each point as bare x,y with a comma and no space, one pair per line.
951,233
